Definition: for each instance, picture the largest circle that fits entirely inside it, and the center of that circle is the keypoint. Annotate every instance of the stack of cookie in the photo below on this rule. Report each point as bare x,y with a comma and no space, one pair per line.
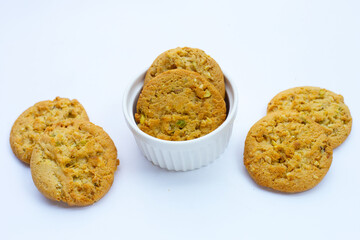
71,159
183,96
290,149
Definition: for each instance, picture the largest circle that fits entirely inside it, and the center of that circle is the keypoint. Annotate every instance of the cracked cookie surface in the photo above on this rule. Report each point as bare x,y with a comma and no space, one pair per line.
32,122
74,162
179,105
287,152
323,106
191,59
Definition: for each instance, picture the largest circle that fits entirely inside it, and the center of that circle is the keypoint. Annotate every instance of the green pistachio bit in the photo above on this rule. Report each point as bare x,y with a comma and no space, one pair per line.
181,123
207,93
322,92
142,119
57,144
304,121
322,149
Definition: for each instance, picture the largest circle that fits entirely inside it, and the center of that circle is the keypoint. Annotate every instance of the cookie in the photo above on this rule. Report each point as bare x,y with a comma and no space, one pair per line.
323,106
287,152
74,162
191,59
33,121
179,105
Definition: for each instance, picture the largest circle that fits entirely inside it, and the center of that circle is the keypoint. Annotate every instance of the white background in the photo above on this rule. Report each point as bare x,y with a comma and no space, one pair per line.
91,50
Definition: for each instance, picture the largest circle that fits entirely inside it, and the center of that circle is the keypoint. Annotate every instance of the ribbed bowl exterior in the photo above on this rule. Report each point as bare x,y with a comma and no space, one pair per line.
180,155
186,159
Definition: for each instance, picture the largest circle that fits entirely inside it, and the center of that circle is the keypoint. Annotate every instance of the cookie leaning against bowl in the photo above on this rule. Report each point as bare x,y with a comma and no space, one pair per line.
323,106
191,59
32,122
179,105
287,152
74,162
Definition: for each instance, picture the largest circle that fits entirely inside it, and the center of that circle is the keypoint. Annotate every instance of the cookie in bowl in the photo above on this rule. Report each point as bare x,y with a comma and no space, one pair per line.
192,59
179,105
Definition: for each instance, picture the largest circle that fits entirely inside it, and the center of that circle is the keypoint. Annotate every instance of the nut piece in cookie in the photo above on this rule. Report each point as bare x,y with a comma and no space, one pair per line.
287,152
179,105
33,121
74,162
191,59
323,106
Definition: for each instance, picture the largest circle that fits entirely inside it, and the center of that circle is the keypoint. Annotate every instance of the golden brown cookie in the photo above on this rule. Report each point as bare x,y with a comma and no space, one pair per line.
179,105
323,106
287,152
191,59
33,121
74,162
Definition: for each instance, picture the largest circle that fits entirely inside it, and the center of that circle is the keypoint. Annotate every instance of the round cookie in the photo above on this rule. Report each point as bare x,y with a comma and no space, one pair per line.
74,162
323,106
191,59
287,152
32,122
179,105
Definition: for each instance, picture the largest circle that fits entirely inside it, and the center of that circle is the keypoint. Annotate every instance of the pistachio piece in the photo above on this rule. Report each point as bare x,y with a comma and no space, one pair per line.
207,93
322,93
207,74
83,142
142,119
181,123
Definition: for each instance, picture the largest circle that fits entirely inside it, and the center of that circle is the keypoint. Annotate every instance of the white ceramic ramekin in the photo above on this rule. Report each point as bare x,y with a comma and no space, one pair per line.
181,155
